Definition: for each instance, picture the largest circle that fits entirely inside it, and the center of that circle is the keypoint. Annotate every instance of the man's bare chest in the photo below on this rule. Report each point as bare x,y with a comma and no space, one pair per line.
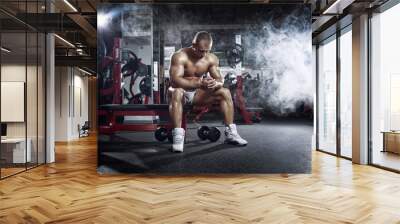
196,68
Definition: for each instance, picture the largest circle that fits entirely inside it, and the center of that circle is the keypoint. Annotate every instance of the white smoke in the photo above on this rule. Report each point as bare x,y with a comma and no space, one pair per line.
285,55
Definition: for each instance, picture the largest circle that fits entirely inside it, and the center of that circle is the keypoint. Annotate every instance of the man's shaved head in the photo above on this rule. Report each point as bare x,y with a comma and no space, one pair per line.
202,36
202,43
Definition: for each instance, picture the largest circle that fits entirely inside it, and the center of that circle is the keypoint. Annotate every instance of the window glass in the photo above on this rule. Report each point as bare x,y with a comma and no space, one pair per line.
327,96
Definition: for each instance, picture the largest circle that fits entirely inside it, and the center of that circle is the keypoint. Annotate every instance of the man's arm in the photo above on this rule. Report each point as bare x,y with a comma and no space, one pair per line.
214,72
177,70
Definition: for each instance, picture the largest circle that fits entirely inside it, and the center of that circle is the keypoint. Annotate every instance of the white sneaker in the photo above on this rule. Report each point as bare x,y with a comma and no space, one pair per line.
178,139
233,137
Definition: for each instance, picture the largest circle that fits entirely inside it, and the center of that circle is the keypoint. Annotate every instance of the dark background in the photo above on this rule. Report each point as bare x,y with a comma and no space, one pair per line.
281,142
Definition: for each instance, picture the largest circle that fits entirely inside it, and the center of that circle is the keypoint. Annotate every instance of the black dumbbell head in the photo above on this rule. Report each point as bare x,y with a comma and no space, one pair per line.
202,132
214,134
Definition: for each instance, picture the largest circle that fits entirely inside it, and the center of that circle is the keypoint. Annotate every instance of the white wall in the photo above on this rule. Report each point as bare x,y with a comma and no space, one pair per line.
71,94
17,73
33,126
61,103
80,112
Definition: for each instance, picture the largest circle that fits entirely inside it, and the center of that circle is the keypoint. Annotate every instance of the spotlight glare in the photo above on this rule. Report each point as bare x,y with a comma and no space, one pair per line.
102,20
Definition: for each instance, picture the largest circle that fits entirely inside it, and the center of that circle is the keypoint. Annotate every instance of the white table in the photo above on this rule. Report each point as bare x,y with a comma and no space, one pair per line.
18,149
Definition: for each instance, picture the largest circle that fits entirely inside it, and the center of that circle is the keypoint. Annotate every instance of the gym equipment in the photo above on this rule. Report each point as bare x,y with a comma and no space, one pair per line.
249,114
115,118
131,82
243,89
110,76
202,132
212,134
136,77
230,80
234,55
161,134
145,86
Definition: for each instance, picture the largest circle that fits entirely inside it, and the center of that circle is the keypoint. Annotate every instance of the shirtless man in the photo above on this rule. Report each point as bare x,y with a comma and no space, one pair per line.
190,85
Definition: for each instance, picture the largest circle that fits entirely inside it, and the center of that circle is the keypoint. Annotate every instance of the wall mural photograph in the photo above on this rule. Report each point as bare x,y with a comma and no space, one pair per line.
200,88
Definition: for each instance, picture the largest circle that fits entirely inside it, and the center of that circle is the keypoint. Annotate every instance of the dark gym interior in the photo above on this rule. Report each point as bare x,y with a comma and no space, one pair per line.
267,113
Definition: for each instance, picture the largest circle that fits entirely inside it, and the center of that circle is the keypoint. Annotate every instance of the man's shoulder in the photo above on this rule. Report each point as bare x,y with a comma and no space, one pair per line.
212,58
180,54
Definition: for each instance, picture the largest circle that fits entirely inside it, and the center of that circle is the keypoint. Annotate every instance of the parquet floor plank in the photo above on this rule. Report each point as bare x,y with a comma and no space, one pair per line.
71,191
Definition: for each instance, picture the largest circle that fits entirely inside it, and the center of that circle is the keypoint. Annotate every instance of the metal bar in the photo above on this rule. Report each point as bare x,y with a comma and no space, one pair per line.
26,88
59,79
37,90
18,20
317,96
338,98
369,81
45,94
333,154
385,168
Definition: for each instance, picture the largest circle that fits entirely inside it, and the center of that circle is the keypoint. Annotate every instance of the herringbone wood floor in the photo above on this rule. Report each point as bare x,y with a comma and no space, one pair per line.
70,191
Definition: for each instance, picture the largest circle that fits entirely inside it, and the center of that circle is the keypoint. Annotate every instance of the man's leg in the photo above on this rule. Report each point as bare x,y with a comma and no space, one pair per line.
226,104
223,96
175,112
175,106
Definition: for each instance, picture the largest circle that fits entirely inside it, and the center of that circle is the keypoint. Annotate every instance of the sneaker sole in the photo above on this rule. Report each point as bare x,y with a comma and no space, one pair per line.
234,143
176,151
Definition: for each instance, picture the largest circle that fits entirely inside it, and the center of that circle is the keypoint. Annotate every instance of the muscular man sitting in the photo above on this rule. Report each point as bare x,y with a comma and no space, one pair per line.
190,84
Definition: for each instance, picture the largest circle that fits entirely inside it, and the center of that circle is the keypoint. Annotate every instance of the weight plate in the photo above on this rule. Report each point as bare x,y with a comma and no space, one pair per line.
161,134
214,134
202,132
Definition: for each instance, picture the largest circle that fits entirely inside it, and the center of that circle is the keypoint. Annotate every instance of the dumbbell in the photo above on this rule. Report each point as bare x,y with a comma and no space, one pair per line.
162,133
212,134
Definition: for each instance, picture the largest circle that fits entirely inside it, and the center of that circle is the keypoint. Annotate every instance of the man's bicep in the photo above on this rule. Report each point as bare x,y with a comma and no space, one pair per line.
214,68
177,69
214,72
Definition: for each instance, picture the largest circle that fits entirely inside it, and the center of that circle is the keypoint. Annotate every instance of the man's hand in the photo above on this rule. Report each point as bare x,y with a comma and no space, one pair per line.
210,83
206,82
214,85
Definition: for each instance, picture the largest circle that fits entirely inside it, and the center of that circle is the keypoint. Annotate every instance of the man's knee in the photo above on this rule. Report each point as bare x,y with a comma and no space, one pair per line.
177,94
224,93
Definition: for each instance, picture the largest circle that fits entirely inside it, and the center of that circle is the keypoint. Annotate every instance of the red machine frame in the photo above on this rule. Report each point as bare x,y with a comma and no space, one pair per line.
115,89
247,113
112,111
